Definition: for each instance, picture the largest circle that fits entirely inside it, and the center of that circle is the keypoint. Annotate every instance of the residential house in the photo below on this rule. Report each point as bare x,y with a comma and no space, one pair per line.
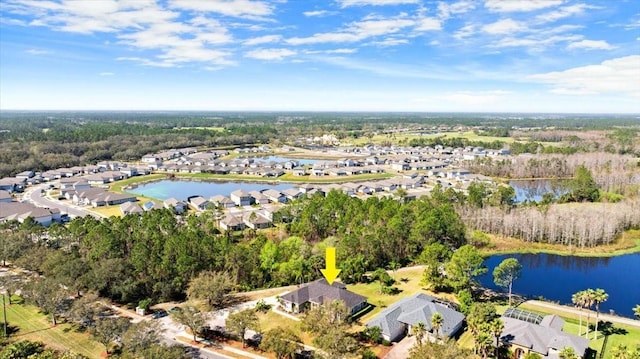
299,171
255,220
292,194
175,204
275,196
528,332
232,223
320,292
149,205
130,208
199,203
241,198
222,201
21,211
397,320
25,175
259,197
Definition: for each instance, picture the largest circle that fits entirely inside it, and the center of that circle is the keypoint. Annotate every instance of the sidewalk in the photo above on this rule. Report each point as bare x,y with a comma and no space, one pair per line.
572,310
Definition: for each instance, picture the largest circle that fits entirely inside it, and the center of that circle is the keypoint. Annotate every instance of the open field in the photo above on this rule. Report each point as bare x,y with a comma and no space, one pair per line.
405,137
629,242
35,326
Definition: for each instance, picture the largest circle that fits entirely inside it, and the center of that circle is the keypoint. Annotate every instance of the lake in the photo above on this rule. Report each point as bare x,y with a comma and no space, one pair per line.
557,278
533,190
182,189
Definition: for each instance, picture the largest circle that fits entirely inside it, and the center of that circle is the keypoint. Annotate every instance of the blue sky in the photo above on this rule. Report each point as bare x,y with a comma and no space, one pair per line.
329,55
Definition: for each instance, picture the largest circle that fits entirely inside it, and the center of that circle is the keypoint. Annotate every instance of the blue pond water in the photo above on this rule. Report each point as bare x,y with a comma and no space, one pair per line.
533,190
558,277
182,189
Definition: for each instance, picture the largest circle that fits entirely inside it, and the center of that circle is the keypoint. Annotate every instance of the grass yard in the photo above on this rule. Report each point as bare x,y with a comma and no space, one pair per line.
408,282
271,319
629,242
35,326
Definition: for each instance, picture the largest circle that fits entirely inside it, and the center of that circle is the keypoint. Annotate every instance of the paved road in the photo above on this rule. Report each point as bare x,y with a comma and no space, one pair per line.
35,196
572,310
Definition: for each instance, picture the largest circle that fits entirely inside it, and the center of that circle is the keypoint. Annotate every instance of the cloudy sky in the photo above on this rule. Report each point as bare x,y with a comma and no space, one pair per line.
321,55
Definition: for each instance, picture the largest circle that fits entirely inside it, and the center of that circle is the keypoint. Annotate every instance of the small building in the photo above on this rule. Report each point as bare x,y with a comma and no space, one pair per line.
255,220
130,208
241,198
320,292
232,223
396,321
175,205
275,196
222,201
199,203
259,197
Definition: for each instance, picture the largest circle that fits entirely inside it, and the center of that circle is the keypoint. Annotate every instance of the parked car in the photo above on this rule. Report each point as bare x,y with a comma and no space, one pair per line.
175,309
159,314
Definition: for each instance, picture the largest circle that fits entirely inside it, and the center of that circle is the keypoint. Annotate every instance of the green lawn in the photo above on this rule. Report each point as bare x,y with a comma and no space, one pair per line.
35,326
408,282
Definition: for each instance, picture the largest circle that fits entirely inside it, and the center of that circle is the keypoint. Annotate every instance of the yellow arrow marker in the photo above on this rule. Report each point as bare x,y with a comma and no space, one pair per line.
330,272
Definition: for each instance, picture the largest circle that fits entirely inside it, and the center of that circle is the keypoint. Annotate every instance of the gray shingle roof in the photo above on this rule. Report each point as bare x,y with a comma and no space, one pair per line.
417,308
540,338
321,292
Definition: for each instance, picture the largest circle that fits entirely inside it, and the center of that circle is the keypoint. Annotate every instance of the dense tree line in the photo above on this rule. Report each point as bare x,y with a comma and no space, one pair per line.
612,172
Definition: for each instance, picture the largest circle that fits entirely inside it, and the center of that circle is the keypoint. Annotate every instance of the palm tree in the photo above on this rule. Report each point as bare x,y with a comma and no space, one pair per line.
436,323
636,311
599,296
578,300
496,326
588,297
419,329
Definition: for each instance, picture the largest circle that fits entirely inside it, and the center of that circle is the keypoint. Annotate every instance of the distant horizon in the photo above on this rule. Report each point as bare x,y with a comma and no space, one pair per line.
631,114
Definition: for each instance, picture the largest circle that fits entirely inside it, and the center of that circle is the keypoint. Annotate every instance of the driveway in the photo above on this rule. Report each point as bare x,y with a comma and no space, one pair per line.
401,349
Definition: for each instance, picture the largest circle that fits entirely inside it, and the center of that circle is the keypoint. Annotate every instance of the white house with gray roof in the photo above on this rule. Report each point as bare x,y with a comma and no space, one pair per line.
319,292
397,320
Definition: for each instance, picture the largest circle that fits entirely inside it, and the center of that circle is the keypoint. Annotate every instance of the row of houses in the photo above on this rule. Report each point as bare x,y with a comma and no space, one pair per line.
96,197
523,331
20,211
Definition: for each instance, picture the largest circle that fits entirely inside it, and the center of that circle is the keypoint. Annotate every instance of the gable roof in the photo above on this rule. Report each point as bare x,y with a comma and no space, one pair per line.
541,337
417,308
320,292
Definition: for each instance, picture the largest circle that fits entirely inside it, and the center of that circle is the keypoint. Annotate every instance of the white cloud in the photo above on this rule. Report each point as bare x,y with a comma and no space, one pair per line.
591,45
390,42
106,74
347,3
504,26
445,10
342,51
318,13
535,42
563,12
465,32
610,76
262,40
270,54
237,8
146,62
37,52
429,24
356,31
519,5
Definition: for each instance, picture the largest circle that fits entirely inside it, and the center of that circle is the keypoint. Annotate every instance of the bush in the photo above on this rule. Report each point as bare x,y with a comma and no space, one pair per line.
145,303
368,354
262,306
386,343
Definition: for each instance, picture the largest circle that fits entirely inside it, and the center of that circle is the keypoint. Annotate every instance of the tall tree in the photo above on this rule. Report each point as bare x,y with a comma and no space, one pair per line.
496,327
636,311
419,330
578,300
506,272
141,336
599,297
588,300
465,264
436,323
191,318
584,187
49,295
107,330
282,341
240,322
447,350
212,287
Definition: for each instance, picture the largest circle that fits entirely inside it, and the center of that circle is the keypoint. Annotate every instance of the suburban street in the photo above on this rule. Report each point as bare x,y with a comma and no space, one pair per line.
34,195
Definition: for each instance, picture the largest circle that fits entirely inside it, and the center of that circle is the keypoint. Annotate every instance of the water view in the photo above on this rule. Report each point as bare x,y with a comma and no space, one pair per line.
533,190
182,189
557,277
